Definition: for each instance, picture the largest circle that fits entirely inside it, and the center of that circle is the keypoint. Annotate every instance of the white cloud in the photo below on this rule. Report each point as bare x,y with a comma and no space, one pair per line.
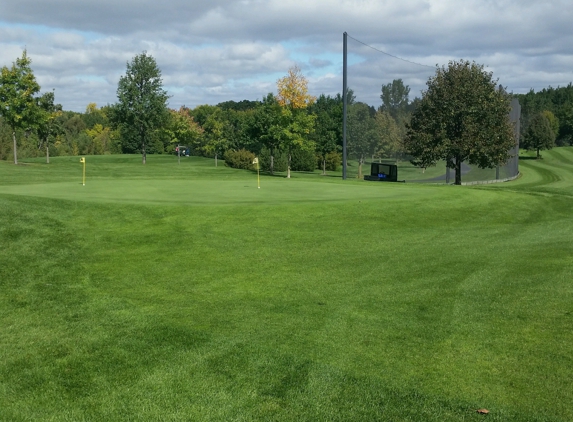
215,50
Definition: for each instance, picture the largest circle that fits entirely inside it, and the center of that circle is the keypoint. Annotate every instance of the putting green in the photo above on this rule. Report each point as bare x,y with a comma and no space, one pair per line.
199,192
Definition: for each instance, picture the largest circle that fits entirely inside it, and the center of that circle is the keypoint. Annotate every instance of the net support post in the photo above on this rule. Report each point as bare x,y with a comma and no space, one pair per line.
344,100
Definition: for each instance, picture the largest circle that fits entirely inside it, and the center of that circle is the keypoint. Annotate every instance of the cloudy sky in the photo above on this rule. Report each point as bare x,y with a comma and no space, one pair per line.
211,51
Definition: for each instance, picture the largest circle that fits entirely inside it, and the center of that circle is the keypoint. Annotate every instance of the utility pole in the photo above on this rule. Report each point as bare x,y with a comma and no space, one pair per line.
344,100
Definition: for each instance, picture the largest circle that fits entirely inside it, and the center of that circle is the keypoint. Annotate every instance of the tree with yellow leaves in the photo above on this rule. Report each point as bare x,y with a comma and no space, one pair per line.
293,90
298,124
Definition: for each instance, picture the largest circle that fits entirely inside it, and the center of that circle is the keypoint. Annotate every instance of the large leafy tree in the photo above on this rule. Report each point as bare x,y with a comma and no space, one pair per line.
239,128
539,134
214,140
268,126
142,102
395,98
102,139
553,121
182,129
94,115
363,136
462,116
202,112
388,134
48,125
327,135
396,103
215,135
297,123
18,106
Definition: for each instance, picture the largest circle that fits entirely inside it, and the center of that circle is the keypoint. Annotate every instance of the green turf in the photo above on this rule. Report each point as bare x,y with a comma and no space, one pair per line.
182,292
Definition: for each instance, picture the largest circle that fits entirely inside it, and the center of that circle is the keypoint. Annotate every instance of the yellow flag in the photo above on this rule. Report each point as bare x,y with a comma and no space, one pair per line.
82,160
256,161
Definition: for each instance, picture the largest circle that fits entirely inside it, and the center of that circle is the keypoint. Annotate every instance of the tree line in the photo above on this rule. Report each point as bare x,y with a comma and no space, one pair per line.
460,116
547,118
288,130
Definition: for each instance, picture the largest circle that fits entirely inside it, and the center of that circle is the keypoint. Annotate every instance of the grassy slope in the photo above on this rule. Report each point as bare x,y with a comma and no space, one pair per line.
172,292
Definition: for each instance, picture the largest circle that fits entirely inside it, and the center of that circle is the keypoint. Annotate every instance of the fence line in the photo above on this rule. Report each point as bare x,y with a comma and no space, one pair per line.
487,182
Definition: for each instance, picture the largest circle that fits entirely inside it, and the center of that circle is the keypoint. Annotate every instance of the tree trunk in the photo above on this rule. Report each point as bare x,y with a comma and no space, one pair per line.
215,159
272,164
15,148
360,167
47,153
143,154
458,171
447,174
288,167
537,150
324,167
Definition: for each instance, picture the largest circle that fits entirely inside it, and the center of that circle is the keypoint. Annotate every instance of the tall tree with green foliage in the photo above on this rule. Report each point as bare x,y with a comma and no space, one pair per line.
268,126
388,135
362,133
462,116
553,121
539,134
18,106
239,126
215,135
214,140
48,125
293,97
396,102
327,135
202,112
94,115
395,98
142,102
183,130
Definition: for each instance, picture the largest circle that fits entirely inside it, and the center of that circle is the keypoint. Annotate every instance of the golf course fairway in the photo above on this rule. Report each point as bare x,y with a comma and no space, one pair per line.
178,292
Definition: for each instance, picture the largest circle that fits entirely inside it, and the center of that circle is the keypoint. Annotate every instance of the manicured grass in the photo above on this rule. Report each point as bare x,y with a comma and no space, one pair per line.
183,292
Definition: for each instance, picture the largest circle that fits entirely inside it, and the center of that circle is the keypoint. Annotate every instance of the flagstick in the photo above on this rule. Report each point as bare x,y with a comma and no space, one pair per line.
83,160
256,161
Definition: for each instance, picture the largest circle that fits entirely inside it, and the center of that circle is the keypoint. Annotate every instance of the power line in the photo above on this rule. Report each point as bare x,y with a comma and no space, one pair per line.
391,55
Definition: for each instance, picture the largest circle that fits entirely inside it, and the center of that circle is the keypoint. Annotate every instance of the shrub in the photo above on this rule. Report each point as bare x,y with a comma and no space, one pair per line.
156,147
241,159
564,142
333,160
280,160
302,160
